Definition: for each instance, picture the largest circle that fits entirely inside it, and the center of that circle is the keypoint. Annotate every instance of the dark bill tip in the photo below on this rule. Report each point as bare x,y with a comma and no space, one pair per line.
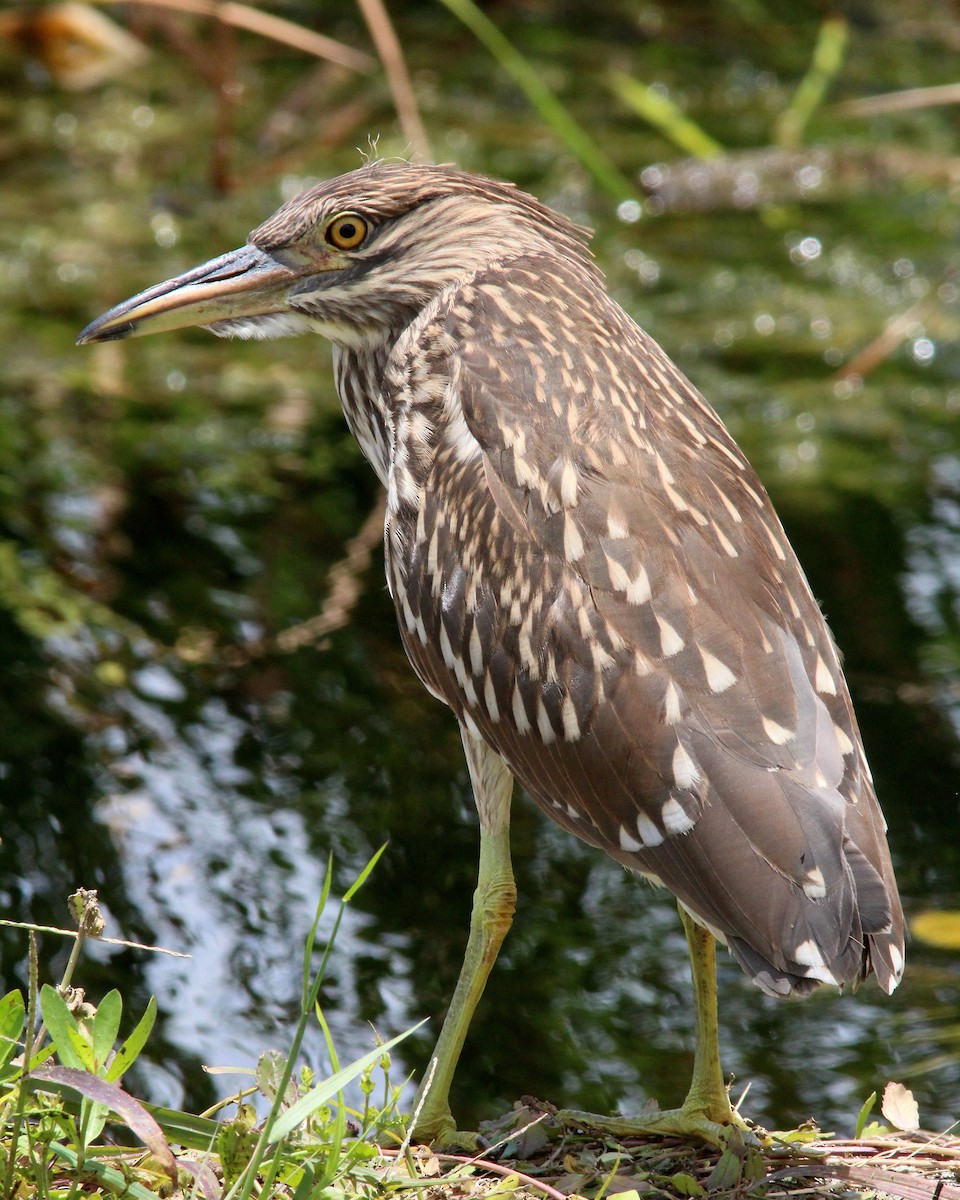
243,284
93,333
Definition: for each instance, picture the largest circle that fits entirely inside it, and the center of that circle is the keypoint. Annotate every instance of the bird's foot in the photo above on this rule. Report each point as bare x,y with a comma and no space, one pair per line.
460,1141
689,1123
439,1131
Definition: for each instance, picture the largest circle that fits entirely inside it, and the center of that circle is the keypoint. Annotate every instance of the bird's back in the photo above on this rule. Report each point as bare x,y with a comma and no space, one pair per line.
589,573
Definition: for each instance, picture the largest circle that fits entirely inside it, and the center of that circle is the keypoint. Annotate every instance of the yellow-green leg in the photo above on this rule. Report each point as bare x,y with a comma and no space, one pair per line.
706,1113
494,903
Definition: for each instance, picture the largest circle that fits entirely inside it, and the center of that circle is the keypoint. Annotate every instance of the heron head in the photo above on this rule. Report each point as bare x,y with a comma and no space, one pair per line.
352,258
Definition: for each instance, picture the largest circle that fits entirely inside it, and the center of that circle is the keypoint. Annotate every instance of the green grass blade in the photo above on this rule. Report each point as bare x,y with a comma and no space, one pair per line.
328,1089
661,112
113,1178
328,1038
333,1163
825,64
526,75
312,991
361,879
305,1003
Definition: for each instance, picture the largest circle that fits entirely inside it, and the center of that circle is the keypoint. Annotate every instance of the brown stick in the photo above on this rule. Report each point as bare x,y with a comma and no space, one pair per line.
928,97
266,25
494,1168
398,77
344,580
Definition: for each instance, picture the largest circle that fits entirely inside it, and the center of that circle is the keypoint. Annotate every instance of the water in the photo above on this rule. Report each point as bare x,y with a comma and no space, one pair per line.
169,507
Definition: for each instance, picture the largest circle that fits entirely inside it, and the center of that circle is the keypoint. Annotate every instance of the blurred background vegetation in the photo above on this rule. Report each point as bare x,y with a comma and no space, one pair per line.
201,688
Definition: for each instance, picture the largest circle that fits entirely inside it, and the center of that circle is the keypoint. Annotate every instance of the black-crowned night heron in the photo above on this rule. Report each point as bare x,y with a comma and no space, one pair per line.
588,572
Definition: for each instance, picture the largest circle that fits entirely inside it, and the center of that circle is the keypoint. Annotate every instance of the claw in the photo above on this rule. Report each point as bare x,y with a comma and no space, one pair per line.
687,1123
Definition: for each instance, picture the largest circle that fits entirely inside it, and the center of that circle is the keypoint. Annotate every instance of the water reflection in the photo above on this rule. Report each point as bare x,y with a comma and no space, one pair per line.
230,881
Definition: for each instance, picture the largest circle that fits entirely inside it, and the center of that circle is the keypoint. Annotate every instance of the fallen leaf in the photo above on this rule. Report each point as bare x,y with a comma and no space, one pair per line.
726,1174
900,1108
686,1185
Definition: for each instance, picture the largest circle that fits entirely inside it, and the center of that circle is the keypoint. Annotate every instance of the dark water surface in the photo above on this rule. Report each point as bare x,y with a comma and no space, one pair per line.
169,507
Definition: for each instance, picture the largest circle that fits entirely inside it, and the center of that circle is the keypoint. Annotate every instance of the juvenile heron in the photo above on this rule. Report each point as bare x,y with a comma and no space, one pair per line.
588,572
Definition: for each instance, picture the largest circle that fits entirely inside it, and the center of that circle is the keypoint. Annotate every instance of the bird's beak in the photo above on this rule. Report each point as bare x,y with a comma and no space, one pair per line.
242,285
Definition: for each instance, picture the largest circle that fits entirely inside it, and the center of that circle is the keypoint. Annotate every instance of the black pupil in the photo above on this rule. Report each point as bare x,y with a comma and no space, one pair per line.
347,231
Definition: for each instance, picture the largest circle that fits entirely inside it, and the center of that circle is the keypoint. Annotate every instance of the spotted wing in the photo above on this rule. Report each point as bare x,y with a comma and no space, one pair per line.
619,614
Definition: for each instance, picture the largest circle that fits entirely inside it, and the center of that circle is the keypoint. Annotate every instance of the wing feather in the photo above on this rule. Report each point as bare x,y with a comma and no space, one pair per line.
624,621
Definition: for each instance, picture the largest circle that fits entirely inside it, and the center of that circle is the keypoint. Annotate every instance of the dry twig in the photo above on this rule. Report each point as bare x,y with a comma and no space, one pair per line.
243,16
345,588
398,77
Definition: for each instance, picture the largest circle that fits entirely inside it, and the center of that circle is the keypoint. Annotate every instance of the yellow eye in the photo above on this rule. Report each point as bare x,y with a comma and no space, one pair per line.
347,231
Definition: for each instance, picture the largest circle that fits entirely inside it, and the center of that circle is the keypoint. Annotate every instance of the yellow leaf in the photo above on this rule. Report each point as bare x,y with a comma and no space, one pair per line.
938,928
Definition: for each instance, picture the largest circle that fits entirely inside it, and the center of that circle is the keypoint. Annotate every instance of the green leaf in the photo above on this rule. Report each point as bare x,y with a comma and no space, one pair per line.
93,1117
130,1050
864,1113
73,1049
726,1174
306,1188
236,1143
44,1054
109,1175
12,1015
270,1075
802,1135
12,1020
106,1026
361,879
685,1185
185,1129
754,1167
328,1089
